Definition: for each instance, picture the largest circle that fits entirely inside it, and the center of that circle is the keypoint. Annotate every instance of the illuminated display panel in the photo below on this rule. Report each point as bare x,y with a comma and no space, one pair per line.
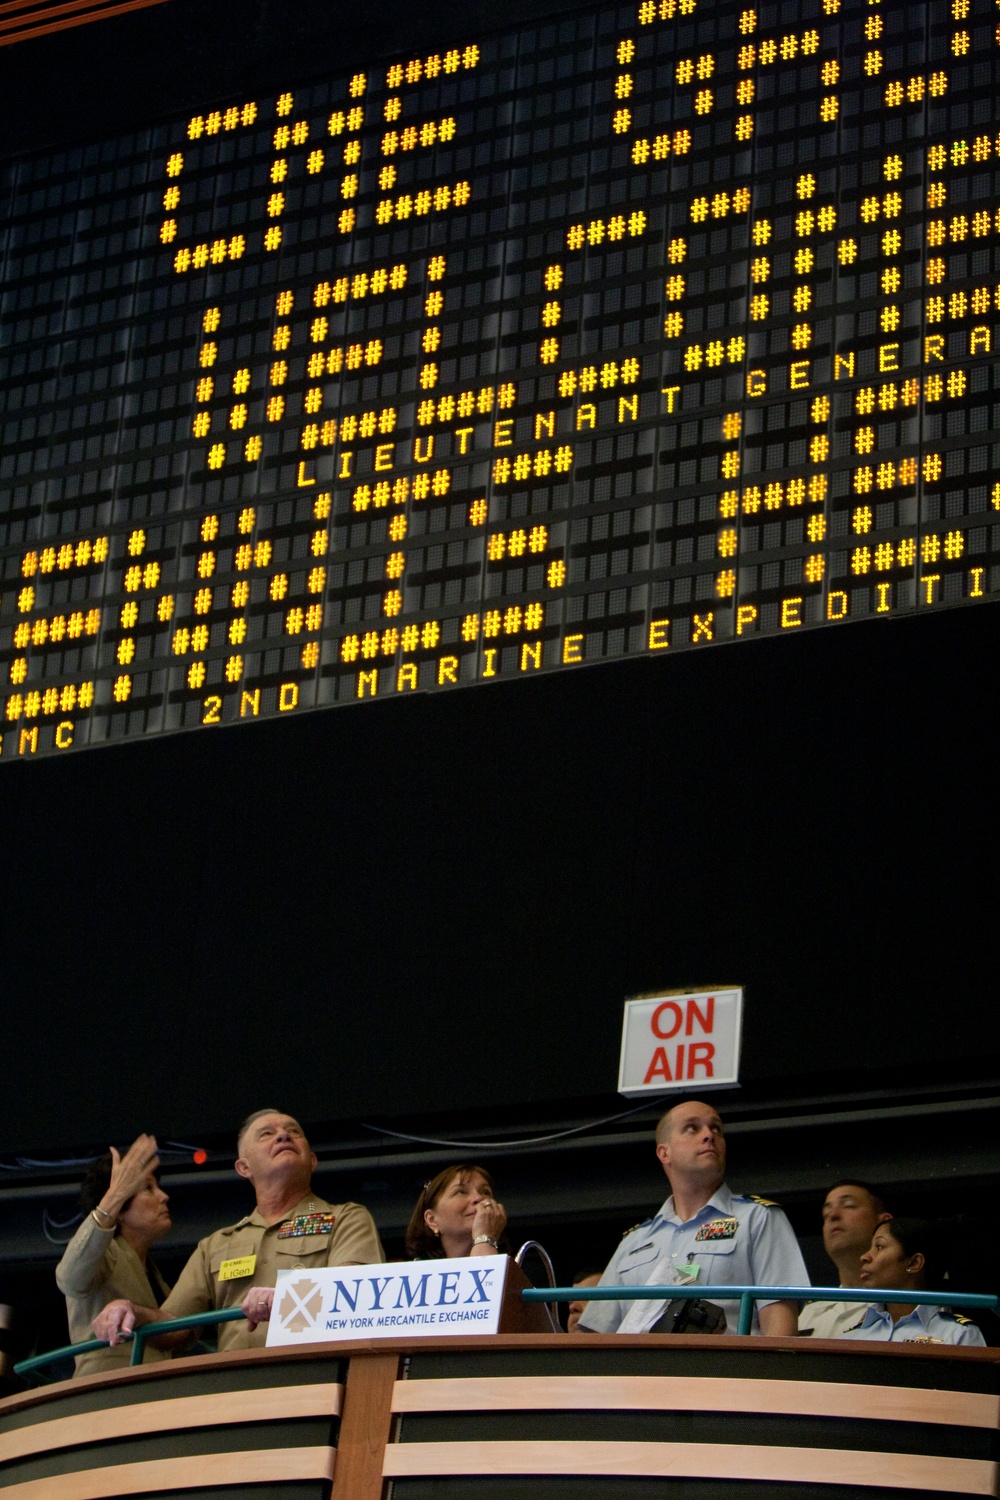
649,328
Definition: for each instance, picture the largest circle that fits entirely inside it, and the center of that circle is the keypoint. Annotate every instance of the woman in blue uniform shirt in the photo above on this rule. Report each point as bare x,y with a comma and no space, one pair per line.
901,1257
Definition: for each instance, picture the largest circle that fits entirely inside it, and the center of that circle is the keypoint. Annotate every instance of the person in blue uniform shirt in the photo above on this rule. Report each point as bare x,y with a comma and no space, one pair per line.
902,1257
704,1235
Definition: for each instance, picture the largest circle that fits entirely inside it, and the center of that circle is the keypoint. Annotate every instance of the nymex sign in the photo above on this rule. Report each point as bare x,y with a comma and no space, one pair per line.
461,1295
680,1039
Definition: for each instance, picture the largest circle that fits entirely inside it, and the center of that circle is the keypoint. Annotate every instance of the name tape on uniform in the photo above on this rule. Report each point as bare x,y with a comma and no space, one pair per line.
237,1268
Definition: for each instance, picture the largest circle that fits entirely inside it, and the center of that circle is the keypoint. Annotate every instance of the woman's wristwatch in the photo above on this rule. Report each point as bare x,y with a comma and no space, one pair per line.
485,1239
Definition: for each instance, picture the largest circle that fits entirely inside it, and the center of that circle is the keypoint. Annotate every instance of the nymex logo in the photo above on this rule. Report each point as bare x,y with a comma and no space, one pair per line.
430,1289
298,1305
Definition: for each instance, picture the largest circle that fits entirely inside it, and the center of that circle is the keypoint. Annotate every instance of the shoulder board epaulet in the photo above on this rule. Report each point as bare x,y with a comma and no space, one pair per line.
641,1225
960,1319
764,1202
232,1228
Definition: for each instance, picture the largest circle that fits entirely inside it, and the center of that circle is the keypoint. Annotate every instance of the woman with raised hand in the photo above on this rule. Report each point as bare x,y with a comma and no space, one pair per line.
456,1214
124,1215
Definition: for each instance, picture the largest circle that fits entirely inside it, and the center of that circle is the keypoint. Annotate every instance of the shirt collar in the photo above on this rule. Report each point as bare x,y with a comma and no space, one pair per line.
721,1203
877,1312
925,1313
310,1204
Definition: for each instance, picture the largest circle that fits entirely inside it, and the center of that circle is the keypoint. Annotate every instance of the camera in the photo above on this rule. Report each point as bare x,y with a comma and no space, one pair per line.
690,1315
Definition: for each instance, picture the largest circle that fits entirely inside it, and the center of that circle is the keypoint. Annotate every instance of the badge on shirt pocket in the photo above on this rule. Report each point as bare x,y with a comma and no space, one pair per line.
718,1229
236,1269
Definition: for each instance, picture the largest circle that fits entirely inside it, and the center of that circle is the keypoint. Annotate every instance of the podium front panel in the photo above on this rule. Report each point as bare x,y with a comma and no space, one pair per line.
708,1419
191,1428
519,1417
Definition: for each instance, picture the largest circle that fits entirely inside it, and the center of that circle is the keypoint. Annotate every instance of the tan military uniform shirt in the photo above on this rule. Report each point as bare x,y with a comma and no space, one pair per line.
225,1265
98,1266
828,1320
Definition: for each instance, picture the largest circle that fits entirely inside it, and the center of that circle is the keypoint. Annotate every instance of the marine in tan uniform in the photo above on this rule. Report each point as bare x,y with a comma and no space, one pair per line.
290,1227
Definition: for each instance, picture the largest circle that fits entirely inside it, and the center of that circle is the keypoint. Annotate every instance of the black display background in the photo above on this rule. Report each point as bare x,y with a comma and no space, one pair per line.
440,908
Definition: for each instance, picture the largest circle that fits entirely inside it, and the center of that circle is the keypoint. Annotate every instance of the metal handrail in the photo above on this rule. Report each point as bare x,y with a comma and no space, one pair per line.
137,1338
748,1295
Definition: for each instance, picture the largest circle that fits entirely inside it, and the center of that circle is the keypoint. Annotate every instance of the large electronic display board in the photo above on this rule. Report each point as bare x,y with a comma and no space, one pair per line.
651,327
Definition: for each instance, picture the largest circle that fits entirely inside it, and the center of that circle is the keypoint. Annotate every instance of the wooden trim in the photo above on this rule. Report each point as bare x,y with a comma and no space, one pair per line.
516,1315
697,1393
270,1404
960,1476
20,29
365,1426
718,1345
257,1467
33,11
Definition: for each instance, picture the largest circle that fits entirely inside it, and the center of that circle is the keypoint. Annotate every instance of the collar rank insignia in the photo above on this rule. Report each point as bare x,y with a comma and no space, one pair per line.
718,1229
294,1229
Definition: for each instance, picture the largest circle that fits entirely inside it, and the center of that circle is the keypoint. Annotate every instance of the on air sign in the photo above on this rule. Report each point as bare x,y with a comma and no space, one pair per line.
680,1039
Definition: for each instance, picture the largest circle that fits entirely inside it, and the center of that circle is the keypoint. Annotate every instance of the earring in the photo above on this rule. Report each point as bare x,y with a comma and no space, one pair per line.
437,1234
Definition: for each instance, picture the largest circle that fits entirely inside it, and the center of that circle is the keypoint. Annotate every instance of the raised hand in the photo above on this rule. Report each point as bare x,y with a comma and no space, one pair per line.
490,1218
129,1173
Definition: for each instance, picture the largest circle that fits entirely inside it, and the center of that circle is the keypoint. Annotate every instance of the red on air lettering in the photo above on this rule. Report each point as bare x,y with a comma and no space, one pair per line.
685,1018
665,1023
699,1055
654,1025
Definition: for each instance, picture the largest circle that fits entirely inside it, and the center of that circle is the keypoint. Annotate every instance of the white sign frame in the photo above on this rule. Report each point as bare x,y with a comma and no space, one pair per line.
656,1061
404,1299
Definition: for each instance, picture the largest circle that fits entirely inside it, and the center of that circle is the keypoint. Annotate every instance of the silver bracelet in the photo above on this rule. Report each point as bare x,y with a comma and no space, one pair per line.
486,1239
110,1217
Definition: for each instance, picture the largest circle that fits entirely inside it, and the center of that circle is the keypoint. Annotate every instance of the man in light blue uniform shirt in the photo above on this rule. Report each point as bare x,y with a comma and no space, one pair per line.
924,1325
704,1235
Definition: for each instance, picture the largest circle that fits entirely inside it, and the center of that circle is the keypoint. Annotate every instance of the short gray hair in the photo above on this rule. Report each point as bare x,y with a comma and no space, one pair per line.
249,1121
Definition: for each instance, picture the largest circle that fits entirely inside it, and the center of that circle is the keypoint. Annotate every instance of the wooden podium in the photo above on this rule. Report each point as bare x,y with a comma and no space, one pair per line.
519,1417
